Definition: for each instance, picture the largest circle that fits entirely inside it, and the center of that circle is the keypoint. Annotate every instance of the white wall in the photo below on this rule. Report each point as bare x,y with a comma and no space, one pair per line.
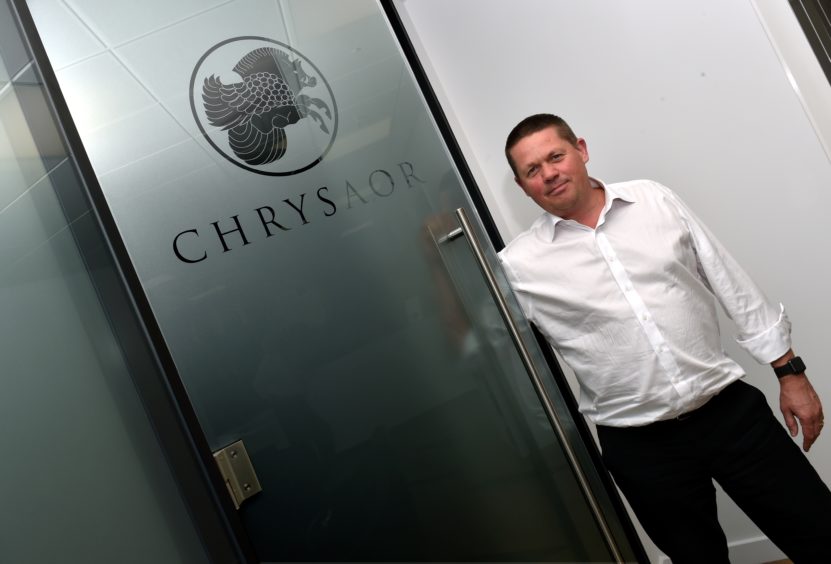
693,94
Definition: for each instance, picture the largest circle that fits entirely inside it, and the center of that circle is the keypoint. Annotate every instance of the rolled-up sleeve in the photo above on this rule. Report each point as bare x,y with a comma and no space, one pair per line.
764,327
771,343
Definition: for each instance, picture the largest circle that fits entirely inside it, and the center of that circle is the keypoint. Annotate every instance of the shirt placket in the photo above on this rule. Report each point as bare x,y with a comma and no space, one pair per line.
642,314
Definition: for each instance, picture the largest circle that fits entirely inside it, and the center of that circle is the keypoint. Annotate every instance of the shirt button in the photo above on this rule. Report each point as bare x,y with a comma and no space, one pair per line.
645,317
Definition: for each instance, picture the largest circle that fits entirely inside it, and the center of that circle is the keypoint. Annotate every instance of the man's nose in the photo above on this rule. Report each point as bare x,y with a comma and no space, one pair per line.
549,171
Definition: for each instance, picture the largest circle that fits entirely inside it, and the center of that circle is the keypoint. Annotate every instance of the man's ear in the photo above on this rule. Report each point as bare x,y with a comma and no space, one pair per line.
583,149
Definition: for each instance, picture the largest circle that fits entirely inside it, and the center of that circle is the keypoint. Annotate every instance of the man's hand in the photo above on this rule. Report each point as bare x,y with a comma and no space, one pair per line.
799,401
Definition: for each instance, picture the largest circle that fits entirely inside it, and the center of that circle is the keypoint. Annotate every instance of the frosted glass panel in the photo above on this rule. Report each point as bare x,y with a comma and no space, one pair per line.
282,191
83,478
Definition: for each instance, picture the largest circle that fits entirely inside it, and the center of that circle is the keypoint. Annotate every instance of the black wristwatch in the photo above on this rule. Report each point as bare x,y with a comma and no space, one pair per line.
793,366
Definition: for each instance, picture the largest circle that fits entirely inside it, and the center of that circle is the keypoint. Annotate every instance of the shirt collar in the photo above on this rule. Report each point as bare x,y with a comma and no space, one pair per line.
547,225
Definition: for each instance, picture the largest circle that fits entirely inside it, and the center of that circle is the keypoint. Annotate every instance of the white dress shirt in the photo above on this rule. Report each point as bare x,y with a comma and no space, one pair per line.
630,304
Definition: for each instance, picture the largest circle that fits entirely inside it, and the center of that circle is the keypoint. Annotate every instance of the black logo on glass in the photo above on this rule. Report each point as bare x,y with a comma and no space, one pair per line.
273,114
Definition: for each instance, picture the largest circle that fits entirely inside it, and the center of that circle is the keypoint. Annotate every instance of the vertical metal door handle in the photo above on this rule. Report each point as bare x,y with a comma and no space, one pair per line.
504,311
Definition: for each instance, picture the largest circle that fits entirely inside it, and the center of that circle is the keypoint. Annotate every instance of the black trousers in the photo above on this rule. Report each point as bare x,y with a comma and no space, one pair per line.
666,471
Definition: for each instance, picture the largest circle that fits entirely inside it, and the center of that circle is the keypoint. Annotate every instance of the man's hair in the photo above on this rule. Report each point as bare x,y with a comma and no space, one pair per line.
533,124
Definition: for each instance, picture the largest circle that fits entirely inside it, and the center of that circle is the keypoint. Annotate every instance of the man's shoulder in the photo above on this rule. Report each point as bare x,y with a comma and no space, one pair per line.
528,239
641,188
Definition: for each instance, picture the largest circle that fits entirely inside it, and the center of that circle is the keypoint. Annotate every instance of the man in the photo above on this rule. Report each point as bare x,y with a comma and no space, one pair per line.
620,278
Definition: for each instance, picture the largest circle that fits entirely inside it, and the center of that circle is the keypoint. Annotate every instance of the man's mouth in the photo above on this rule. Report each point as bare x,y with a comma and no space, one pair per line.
558,189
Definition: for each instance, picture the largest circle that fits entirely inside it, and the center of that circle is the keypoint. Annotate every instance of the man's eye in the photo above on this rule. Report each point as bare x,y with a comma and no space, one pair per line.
556,157
531,171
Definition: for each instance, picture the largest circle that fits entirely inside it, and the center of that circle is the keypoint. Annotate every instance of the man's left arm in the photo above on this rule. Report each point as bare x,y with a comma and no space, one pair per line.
764,327
799,403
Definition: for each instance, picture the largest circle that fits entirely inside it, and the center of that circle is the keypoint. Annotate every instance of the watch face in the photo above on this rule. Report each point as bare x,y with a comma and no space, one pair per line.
797,365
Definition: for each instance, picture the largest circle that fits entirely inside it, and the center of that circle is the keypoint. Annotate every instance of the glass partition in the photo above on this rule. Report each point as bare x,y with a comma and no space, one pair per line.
815,18
83,477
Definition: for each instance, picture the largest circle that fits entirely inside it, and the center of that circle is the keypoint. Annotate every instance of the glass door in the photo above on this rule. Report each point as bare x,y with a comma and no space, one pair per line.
290,206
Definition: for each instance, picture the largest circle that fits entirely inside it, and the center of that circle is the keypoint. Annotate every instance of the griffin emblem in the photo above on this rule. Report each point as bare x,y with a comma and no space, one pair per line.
256,111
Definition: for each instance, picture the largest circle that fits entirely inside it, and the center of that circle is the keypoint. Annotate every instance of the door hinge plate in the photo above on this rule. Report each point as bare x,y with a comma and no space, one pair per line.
237,472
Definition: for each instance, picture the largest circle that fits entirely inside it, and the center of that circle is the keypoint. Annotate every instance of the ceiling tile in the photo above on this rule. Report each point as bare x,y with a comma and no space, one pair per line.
66,39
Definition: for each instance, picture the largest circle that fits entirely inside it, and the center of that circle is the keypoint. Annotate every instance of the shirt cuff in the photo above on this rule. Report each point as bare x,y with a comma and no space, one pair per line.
772,343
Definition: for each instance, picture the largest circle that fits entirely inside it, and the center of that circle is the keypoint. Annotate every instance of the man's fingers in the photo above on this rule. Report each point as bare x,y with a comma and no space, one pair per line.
790,422
808,437
811,433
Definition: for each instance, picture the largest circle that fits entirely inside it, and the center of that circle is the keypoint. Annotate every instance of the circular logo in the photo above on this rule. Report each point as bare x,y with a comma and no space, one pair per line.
263,106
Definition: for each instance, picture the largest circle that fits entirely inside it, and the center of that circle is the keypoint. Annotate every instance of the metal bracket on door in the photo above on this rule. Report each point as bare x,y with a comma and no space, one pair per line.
238,473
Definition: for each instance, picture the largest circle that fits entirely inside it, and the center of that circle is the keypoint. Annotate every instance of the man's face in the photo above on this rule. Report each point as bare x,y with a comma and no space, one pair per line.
552,172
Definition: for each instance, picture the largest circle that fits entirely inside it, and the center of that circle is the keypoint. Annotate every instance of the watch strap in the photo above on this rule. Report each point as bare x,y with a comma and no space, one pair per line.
793,366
